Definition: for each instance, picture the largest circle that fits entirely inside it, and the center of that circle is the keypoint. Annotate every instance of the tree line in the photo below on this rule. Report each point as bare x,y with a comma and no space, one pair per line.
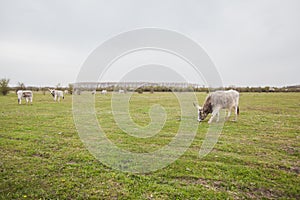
5,89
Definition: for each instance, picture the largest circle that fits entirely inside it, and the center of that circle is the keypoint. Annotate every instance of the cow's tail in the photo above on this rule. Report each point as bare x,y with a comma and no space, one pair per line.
238,110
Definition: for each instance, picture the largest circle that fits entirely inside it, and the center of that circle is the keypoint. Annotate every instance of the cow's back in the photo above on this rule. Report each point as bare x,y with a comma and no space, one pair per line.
224,99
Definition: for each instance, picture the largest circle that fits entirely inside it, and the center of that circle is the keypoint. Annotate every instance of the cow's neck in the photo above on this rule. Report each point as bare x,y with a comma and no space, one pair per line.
207,107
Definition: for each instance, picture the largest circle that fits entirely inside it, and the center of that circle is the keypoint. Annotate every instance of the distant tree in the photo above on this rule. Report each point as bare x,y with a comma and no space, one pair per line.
189,89
4,89
139,90
151,90
70,88
58,86
266,89
21,86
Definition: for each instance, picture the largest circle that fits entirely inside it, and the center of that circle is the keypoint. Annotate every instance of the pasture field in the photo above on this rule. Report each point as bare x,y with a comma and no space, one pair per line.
258,157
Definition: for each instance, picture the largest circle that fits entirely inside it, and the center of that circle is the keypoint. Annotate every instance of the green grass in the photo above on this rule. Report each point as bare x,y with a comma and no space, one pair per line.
42,156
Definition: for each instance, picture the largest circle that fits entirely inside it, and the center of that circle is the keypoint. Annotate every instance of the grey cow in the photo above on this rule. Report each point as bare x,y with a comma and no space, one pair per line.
216,101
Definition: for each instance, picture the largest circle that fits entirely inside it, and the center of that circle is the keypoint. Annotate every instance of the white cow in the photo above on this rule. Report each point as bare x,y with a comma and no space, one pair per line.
56,94
27,94
219,100
104,92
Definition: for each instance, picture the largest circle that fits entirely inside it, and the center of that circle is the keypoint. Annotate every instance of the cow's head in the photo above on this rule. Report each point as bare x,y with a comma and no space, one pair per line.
201,112
52,91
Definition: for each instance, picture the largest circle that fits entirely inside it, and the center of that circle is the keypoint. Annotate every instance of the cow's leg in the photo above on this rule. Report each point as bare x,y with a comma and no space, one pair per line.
218,116
26,100
236,112
228,114
214,113
19,101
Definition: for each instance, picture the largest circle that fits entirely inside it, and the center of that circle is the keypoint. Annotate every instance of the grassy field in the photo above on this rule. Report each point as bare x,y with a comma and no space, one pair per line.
258,157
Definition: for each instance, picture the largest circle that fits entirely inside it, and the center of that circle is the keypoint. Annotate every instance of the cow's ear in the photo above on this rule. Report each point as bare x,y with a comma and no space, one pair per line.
196,105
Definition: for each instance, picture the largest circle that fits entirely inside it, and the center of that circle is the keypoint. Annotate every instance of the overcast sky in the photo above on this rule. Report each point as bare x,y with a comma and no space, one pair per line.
252,43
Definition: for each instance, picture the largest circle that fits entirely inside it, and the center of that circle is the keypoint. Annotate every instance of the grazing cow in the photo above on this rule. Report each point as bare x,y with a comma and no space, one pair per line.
27,94
216,101
121,91
57,94
66,91
94,92
103,92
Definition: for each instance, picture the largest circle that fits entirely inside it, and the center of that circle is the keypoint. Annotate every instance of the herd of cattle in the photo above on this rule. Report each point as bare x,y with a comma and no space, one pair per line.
213,103
28,95
56,94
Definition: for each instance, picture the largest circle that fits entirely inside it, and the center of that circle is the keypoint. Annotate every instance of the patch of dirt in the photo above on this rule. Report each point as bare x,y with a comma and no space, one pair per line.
293,169
291,150
71,163
211,184
248,192
207,183
258,193
41,155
